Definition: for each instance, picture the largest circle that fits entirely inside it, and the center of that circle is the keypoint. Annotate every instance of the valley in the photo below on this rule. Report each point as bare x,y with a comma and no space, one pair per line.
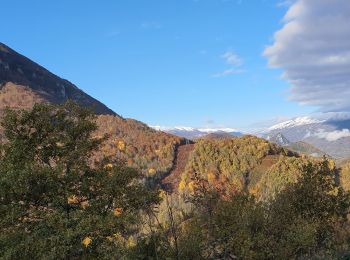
179,178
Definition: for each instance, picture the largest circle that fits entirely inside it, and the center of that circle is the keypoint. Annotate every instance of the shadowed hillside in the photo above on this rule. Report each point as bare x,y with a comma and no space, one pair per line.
21,71
24,83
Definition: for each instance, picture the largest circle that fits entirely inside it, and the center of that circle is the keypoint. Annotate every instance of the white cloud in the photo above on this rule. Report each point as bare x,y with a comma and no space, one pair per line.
334,135
232,71
234,61
313,50
285,3
232,58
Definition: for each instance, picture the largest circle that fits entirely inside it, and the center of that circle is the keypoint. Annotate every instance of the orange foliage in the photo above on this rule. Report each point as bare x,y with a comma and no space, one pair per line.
117,212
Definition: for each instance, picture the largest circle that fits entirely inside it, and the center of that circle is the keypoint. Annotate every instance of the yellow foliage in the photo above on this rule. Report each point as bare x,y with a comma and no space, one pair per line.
109,238
118,237
128,139
72,199
59,144
211,177
345,177
84,204
223,161
162,194
121,145
191,186
254,191
182,185
331,164
151,171
109,166
131,242
87,241
118,212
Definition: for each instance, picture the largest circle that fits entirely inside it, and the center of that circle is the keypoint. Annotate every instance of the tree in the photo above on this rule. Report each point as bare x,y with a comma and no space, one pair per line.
304,217
55,202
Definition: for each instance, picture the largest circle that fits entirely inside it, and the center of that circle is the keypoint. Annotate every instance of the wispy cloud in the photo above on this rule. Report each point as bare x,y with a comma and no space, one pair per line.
232,58
234,61
228,72
285,3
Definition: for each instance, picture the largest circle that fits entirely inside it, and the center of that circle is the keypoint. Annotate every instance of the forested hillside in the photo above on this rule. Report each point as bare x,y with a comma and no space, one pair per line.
242,163
24,83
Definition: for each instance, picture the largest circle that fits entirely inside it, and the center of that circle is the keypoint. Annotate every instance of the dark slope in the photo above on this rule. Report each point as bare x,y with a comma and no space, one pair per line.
21,71
24,83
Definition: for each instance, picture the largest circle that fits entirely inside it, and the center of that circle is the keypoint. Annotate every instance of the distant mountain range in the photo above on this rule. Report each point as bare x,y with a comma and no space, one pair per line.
299,146
317,136
195,133
330,135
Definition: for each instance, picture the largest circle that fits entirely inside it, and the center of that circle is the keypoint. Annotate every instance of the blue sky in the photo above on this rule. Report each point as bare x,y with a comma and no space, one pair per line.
165,62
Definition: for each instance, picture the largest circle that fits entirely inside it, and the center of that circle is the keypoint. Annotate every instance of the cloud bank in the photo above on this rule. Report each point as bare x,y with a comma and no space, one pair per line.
313,50
334,135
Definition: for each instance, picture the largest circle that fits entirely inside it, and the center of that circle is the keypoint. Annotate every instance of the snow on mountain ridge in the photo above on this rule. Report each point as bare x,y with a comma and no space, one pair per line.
298,121
170,128
214,130
191,129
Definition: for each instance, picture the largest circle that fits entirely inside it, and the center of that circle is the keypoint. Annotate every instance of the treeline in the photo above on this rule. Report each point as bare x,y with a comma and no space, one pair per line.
58,200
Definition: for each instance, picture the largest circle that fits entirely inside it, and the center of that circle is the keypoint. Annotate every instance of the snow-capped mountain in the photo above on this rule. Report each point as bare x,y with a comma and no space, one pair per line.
299,147
298,121
193,133
329,133
278,138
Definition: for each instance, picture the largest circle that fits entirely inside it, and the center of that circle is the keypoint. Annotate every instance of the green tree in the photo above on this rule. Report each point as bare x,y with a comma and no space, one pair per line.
304,217
55,202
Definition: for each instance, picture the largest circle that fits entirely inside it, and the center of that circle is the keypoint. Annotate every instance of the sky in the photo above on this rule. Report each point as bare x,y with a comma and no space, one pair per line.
200,63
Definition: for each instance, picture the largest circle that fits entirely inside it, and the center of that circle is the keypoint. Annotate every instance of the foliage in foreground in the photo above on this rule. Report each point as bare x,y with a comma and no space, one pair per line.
53,203
308,219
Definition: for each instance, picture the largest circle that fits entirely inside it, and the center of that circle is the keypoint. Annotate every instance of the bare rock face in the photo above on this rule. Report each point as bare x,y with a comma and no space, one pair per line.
17,70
